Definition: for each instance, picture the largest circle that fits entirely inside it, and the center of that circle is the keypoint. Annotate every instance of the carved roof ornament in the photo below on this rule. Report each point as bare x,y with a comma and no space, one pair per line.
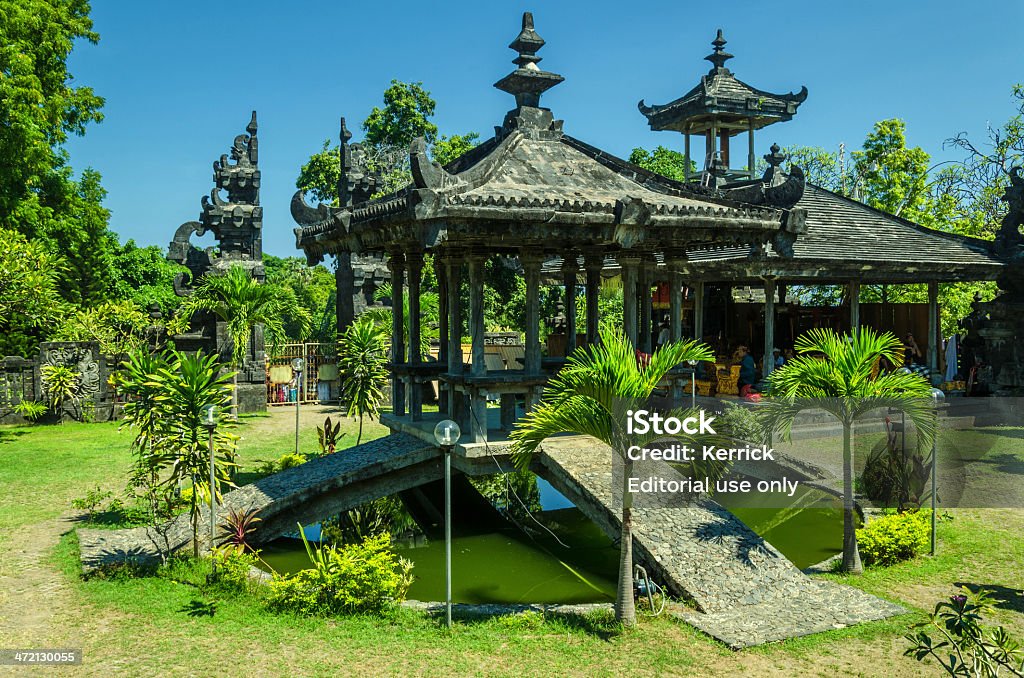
719,56
528,81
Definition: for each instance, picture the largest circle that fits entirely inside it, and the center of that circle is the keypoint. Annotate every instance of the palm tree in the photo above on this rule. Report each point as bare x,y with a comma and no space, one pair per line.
591,396
242,302
841,383
184,388
429,314
362,362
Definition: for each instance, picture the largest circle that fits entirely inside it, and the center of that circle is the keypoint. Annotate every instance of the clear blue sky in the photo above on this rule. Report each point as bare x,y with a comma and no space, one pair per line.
181,78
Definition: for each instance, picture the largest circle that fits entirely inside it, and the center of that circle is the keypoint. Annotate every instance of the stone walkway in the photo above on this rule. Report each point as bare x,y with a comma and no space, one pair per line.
745,591
304,494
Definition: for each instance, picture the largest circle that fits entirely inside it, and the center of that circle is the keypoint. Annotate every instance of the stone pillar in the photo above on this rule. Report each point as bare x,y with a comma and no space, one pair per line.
933,326
854,293
593,262
646,316
441,271
630,263
478,367
686,157
673,262
768,364
396,263
454,266
751,160
414,262
531,268
570,267
698,310
344,282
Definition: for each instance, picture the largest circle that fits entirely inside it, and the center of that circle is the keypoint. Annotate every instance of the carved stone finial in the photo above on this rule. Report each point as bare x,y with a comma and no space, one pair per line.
776,157
344,134
528,81
1009,236
719,56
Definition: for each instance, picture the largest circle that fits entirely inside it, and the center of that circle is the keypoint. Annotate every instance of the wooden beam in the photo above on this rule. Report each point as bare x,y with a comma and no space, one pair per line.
768,362
630,264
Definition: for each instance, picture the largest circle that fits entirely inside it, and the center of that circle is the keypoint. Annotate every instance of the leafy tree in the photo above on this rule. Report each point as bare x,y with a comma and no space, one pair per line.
39,108
388,132
405,116
242,302
842,385
362,362
893,177
308,313
591,396
29,298
448,149
118,326
663,161
143,275
320,174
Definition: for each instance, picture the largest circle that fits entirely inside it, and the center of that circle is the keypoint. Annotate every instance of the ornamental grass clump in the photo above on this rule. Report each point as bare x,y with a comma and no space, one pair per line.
894,537
365,577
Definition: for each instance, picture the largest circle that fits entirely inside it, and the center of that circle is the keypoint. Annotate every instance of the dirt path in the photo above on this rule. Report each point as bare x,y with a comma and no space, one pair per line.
35,599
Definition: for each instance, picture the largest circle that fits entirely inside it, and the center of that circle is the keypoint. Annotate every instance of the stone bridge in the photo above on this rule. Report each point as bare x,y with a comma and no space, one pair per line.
743,590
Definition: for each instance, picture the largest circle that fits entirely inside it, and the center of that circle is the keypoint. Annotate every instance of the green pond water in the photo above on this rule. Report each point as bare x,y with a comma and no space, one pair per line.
509,566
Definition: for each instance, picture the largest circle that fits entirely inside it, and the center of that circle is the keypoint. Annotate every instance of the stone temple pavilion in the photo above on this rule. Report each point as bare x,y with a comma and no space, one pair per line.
563,207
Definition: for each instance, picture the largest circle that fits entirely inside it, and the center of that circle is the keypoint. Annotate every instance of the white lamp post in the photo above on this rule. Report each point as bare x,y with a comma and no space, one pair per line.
937,397
209,421
693,383
447,433
297,366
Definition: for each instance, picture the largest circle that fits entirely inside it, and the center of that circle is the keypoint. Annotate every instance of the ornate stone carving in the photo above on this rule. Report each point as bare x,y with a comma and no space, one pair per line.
236,222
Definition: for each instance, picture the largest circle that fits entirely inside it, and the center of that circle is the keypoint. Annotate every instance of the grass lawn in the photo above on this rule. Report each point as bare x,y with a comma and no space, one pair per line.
150,626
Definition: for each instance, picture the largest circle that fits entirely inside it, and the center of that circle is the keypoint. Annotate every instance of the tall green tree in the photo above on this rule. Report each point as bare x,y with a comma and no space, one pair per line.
39,107
841,383
30,302
242,302
388,131
591,396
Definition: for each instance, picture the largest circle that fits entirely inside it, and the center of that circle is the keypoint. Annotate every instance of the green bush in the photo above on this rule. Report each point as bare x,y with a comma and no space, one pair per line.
290,460
894,537
365,577
234,567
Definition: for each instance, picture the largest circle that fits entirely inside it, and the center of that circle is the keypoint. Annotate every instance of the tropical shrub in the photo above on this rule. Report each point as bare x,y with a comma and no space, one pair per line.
139,381
60,385
894,537
740,424
31,409
92,500
237,528
965,647
364,577
362,362
234,568
328,436
895,477
184,389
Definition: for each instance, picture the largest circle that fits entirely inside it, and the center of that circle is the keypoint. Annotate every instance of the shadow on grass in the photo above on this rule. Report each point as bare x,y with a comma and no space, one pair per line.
1003,597
9,436
199,608
599,623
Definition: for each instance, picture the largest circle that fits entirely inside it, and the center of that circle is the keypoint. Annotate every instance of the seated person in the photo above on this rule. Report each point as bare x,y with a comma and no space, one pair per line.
911,352
779,361
748,370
